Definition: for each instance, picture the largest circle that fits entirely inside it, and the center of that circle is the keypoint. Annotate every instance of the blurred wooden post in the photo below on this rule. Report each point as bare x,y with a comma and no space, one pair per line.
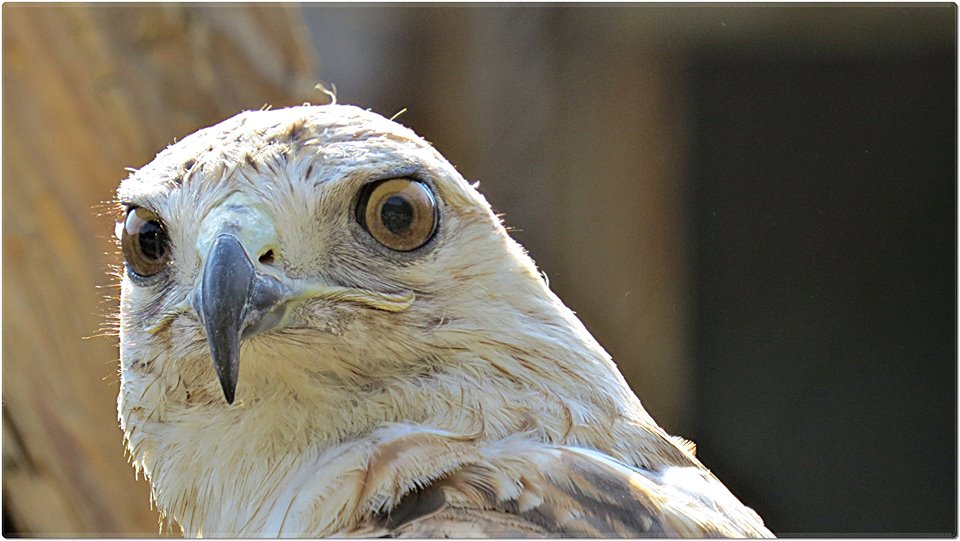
88,90
619,164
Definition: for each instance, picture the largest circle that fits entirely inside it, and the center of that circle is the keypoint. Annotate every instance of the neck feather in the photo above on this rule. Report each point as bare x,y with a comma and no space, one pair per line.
200,456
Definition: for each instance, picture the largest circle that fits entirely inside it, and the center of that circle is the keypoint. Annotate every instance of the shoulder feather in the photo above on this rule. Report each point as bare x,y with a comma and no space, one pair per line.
519,488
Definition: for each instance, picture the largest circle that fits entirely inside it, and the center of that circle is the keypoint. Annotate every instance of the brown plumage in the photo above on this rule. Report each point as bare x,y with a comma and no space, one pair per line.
325,331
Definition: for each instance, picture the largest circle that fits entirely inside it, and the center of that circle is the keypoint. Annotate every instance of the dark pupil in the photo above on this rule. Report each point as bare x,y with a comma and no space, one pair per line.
396,214
151,240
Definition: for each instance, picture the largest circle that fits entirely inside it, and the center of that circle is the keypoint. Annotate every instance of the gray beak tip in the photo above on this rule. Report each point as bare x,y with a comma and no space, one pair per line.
228,392
226,363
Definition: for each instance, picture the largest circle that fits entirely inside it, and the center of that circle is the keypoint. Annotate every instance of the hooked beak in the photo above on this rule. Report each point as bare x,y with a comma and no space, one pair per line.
234,302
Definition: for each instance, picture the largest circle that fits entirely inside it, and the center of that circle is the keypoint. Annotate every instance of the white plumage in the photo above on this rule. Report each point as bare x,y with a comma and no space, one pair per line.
395,362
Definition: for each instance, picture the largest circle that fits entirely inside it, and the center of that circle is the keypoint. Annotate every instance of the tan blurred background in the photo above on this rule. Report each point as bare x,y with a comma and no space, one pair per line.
714,189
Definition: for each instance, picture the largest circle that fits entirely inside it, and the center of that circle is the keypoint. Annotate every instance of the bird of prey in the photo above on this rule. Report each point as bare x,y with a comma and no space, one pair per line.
326,331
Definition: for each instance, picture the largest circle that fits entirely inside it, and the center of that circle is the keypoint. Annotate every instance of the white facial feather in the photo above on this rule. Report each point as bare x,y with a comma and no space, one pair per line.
461,336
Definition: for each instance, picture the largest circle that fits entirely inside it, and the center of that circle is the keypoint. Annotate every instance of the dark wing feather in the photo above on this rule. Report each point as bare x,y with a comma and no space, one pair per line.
569,492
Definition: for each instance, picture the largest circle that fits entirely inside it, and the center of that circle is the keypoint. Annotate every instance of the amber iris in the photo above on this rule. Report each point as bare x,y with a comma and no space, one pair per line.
146,247
399,213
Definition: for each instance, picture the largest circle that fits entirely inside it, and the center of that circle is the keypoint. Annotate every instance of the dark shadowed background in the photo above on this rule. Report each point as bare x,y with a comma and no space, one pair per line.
752,208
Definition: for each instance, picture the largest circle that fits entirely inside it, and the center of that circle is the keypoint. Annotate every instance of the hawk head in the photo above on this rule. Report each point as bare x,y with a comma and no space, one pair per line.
315,243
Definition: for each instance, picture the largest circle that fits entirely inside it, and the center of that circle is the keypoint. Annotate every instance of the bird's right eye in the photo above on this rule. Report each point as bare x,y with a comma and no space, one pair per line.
145,243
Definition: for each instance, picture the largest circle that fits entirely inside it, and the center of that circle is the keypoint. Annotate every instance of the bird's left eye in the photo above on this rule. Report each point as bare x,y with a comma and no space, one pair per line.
399,213
144,242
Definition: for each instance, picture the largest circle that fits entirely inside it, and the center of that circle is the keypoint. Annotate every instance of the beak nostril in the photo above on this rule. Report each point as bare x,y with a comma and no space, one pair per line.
267,258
